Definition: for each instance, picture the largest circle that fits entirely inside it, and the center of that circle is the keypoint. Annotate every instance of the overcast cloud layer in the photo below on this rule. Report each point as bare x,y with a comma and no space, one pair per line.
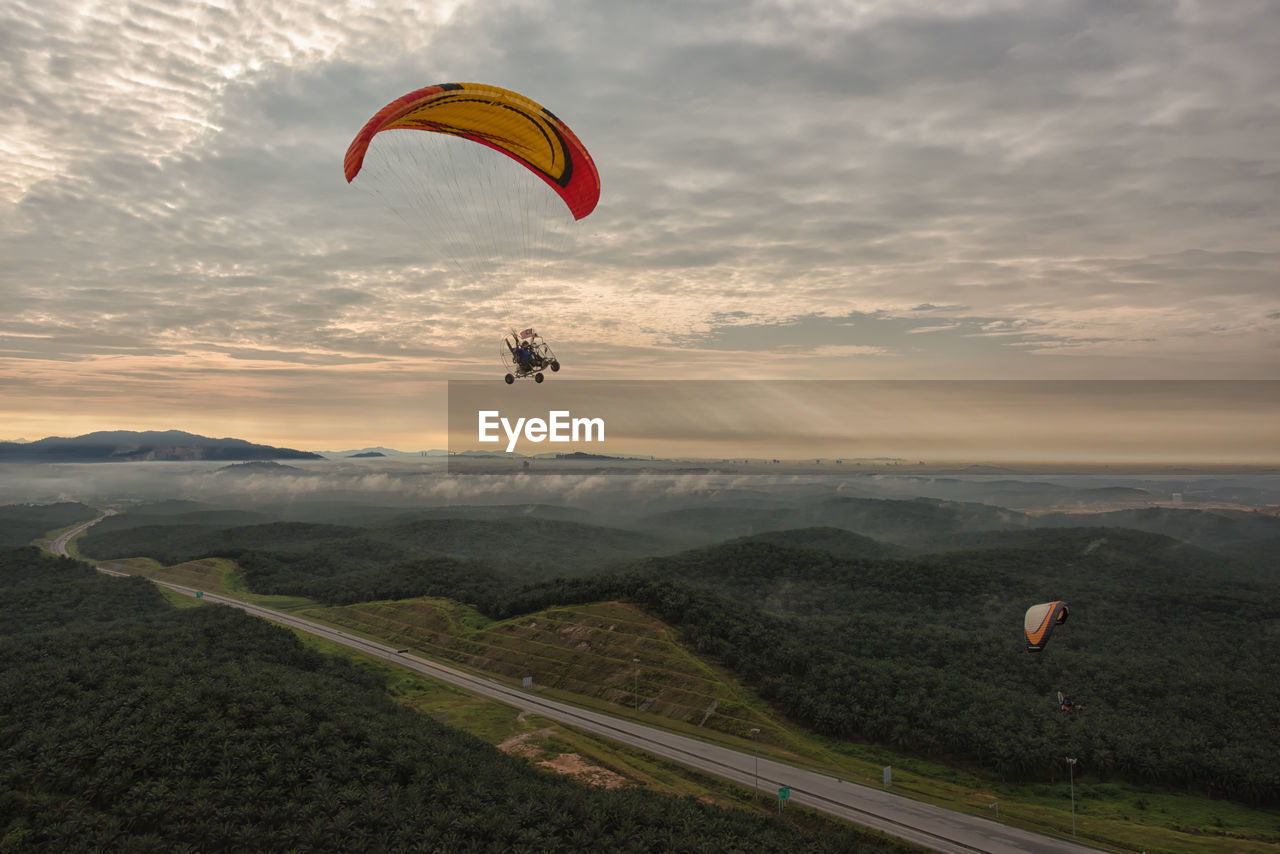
790,189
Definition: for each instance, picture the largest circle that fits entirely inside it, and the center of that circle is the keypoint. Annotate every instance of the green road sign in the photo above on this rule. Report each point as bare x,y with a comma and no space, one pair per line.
199,594
784,793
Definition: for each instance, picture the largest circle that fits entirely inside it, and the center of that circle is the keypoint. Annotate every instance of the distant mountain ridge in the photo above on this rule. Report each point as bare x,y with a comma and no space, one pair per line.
149,445
378,451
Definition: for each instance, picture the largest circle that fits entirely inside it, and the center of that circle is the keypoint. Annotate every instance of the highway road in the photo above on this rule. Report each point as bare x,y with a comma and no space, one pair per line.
59,545
930,826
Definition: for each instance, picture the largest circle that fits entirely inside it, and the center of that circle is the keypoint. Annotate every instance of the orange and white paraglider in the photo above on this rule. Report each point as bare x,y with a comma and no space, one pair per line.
1040,621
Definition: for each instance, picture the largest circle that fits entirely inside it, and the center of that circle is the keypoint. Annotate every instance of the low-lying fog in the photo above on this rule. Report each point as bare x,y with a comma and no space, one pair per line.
423,482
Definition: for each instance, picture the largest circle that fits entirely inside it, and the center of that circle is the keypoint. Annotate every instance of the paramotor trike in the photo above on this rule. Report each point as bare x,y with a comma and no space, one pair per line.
525,354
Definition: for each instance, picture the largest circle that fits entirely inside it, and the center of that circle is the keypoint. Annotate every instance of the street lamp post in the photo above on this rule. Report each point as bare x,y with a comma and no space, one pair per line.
755,752
1071,770
636,691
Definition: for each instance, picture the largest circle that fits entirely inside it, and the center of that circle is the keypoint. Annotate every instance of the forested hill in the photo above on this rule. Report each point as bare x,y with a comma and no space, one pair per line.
1248,536
521,547
1108,556
1014,566
1175,671
39,593
206,729
920,651
907,522
833,540
926,524
22,523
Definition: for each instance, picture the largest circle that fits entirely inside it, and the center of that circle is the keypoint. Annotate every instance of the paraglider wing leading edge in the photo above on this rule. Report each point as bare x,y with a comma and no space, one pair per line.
503,120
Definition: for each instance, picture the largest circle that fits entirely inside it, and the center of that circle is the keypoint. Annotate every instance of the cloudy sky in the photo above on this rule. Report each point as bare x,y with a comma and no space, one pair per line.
807,189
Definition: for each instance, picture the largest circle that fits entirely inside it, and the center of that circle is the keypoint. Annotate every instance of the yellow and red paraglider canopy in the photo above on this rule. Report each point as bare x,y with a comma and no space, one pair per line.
503,120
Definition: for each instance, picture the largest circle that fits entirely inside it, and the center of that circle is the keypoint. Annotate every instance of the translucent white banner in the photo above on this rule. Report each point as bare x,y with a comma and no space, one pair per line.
1136,424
